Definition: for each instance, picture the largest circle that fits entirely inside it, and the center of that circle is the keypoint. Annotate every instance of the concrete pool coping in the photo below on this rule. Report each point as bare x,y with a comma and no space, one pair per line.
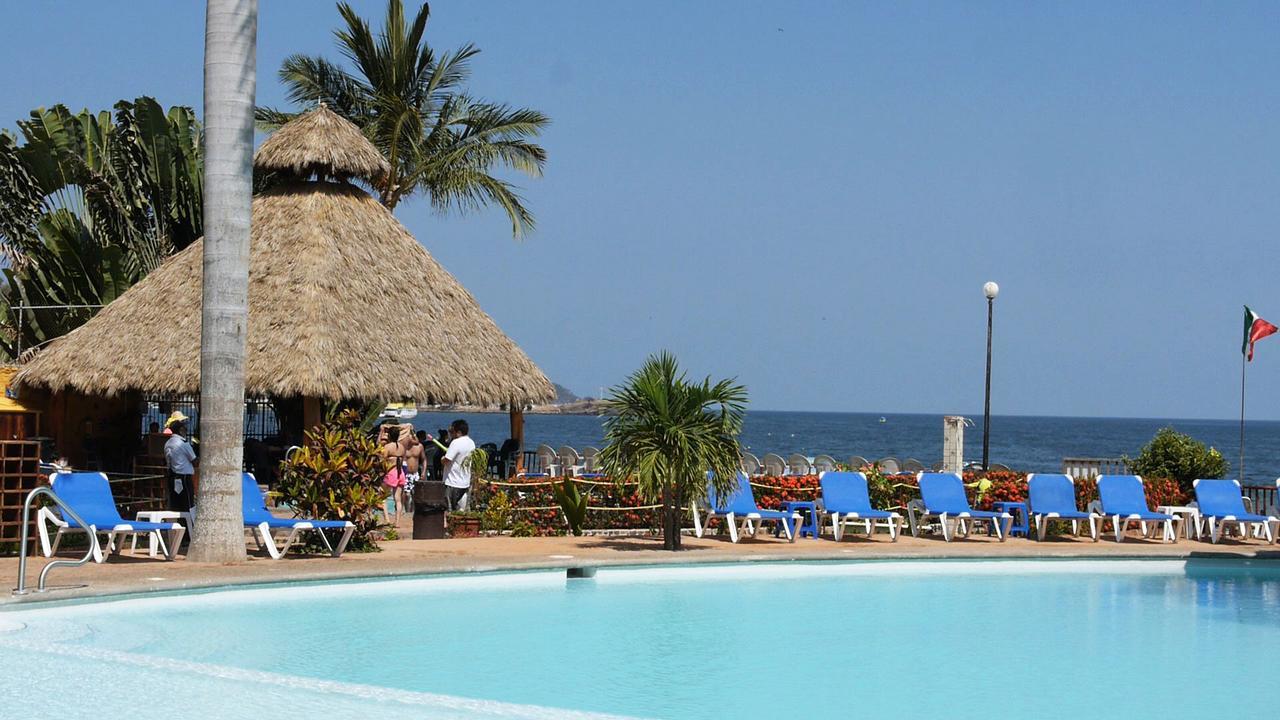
141,575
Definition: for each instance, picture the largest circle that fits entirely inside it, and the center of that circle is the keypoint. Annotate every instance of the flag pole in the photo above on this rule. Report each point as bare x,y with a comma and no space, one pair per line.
1243,364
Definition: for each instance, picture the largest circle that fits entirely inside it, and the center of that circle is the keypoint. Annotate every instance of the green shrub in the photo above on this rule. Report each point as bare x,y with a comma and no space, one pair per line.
496,515
337,475
1178,457
524,528
879,487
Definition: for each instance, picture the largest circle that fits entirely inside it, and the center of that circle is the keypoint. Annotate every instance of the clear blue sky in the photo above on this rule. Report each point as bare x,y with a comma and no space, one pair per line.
810,196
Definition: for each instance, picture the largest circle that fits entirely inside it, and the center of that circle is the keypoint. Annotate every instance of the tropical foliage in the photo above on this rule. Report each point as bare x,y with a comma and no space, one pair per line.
572,503
89,204
1179,457
337,475
667,432
412,104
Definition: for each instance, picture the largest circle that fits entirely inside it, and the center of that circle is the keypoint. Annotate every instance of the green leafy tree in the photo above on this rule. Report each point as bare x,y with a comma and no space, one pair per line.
667,432
89,204
1179,457
412,104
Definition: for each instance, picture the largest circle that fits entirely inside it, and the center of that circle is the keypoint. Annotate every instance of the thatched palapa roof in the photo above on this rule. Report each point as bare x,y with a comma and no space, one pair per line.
343,304
320,142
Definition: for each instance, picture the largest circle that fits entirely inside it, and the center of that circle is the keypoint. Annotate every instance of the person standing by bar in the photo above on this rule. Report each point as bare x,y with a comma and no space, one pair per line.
180,460
457,468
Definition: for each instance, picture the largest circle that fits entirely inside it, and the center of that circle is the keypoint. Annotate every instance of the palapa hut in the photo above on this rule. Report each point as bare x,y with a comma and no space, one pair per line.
329,266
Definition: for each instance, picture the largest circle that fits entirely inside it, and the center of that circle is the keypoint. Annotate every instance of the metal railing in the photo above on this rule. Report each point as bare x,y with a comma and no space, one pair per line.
26,519
1260,497
1080,468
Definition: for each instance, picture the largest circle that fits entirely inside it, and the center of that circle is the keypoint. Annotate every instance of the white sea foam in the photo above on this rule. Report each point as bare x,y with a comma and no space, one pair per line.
421,704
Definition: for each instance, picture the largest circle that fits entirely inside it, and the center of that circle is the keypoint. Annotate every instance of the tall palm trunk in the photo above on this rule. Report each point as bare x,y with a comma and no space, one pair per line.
230,77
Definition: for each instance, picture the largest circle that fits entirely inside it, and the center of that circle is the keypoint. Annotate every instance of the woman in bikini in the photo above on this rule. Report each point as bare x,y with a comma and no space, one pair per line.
393,453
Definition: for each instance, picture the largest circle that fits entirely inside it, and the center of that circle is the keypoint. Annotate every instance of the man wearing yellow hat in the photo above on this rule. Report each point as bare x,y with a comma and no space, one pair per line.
181,461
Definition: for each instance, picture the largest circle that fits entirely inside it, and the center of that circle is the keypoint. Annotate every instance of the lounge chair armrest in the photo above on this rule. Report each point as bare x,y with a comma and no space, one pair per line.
48,515
915,511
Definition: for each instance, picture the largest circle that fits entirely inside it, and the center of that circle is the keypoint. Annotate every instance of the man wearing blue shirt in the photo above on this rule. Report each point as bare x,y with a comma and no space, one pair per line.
181,460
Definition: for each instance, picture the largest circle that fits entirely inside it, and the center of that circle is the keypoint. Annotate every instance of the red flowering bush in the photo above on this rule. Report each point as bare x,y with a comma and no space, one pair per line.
534,502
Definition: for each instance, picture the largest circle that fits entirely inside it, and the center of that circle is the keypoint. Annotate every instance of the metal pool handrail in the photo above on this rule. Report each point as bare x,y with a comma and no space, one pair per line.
22,558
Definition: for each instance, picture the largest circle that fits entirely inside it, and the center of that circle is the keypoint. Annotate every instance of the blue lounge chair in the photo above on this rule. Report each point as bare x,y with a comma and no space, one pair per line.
259,519
741,507
845,499
1124,500
1053,497
1222,501
89,494
942,497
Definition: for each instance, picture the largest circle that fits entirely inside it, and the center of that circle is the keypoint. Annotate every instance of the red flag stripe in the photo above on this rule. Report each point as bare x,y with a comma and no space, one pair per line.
1260,329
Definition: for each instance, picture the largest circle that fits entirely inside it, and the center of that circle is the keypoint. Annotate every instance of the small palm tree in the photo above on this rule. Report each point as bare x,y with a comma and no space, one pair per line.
667,432
412,105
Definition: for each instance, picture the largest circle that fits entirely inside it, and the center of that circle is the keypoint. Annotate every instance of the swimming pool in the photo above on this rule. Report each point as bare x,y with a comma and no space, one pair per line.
959,639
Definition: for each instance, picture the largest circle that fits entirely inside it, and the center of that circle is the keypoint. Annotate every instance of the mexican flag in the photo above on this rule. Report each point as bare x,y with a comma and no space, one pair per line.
1255,328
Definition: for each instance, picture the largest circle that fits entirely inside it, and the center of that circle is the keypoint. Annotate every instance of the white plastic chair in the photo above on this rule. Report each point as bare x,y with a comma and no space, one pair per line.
798,464
824,463
774,465
570,462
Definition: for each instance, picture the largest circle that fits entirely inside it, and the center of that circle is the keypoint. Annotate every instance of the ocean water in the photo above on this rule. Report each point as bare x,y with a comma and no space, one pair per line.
958,639
1031,444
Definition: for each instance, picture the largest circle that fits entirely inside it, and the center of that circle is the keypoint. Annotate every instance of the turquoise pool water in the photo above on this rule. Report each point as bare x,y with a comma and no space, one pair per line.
1046,639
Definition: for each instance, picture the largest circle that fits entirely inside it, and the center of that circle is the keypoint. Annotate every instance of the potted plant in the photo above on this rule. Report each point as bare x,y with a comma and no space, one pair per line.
463,523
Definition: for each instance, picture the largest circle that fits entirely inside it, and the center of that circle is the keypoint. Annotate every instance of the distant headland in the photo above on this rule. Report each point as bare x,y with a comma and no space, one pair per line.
566,403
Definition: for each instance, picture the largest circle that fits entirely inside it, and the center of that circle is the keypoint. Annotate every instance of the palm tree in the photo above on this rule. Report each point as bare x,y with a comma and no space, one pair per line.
412,106
667,432
230,57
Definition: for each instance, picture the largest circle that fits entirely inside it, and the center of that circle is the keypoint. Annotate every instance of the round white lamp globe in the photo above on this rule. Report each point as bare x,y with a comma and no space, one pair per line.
991,290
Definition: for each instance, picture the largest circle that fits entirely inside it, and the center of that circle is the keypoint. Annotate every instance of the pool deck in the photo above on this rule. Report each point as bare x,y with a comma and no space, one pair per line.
141,574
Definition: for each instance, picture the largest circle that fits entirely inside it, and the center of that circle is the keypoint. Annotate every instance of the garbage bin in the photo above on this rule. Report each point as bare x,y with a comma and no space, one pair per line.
429,504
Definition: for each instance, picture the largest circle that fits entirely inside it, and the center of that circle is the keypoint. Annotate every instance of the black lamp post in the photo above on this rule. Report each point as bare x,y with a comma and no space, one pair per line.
990,290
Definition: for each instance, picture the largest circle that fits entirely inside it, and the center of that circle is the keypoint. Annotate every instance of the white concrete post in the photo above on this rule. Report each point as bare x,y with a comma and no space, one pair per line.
953,443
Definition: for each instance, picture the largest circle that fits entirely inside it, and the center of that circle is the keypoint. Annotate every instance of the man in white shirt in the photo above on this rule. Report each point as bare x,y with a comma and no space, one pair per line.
457,466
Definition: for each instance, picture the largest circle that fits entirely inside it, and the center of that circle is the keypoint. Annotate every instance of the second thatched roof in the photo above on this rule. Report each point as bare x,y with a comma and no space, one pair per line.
343,304
322,143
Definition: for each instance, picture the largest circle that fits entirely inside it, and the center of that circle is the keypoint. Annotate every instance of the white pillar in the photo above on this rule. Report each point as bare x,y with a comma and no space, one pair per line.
953,443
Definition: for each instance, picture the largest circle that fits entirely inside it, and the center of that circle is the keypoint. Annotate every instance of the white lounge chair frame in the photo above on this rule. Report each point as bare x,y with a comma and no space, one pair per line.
1042,521
263,536
47,517
1268,530
918,515
1121,524
841,521
750,523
